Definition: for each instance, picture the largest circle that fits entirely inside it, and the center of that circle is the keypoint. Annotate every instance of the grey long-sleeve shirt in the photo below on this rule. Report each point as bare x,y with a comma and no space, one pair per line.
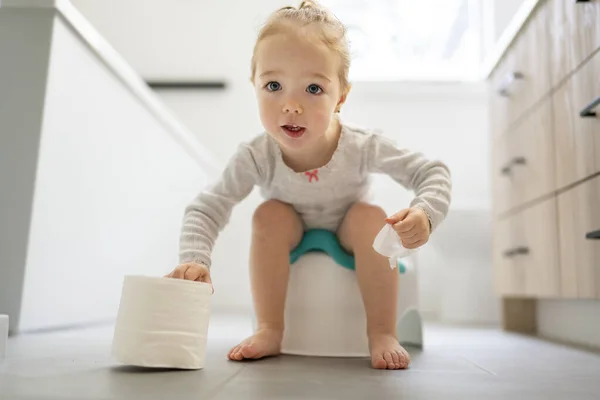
321,196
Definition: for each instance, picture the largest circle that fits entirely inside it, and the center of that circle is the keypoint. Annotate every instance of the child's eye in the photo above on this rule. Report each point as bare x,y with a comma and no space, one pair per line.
314,89
273,86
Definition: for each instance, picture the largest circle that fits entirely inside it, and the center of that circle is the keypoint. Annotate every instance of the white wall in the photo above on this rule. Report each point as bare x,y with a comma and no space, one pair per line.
446,121
110,188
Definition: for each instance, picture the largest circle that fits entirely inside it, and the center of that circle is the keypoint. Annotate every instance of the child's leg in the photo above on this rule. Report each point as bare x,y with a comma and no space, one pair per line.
276,230
378,285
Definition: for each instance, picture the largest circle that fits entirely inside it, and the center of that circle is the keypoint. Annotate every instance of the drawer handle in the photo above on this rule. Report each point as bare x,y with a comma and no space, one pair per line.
515,161
595,235
509,80
517,251
582,1
588,111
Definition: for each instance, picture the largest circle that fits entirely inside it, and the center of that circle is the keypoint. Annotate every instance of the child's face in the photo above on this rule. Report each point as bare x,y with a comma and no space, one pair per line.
298,88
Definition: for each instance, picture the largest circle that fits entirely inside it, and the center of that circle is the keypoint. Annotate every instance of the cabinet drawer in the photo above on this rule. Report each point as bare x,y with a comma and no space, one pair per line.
594,118
509,279
526,252
576,136
499,95
579,214
525,166
525,75
575,34
503,188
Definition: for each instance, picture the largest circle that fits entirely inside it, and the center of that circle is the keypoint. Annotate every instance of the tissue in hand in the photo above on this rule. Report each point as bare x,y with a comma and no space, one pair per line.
388,244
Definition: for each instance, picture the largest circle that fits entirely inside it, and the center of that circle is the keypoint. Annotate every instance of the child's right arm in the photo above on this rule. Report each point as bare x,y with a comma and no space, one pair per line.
210,211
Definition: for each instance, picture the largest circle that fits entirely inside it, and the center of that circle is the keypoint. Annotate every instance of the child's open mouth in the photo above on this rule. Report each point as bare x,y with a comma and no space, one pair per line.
293,131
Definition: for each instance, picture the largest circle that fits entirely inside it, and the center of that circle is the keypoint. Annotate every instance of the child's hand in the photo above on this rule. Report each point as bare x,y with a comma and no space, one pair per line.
191,272
412,225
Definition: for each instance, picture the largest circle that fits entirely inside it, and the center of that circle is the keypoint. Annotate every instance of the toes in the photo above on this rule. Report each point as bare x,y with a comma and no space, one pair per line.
387,356
236,354
396,357
404,359
378,362
232,352
249,351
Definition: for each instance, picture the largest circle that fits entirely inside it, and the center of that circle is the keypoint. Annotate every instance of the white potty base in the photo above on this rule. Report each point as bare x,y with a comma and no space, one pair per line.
325,316
410,329
324,313
162,323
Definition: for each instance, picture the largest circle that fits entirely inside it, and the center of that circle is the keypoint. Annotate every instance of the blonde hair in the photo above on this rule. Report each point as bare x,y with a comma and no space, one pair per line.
333,32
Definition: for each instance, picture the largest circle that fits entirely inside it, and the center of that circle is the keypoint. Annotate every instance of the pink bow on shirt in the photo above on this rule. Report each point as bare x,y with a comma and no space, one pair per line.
312,174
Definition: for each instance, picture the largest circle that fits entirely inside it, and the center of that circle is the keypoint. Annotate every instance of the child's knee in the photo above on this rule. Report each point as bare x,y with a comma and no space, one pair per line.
362,214
274,216
361,223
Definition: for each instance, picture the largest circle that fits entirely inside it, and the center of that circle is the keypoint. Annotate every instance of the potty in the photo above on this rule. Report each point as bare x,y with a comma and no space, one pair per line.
324,313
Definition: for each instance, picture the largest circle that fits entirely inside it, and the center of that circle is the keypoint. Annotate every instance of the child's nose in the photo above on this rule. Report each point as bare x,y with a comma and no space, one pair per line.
292,107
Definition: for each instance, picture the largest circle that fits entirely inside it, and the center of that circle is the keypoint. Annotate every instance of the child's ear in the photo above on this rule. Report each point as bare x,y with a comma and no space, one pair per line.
343,98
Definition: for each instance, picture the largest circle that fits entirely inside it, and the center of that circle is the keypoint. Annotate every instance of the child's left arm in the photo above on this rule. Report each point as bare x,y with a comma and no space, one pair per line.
429,179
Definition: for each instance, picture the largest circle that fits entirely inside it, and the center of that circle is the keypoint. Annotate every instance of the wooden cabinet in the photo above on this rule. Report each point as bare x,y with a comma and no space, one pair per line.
533,147
575,34
539,235
595,120
509,280
523,164
522,78
579,215
526,253
546,160
576,136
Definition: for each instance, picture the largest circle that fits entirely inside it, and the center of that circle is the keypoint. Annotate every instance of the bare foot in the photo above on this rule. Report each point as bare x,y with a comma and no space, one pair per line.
265,342
386,352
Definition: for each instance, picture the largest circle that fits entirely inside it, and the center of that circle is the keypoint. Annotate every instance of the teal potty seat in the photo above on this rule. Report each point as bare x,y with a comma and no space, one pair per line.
324,241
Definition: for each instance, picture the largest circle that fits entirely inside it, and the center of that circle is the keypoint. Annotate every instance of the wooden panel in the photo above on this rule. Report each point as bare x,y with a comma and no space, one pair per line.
531,157
586,28
519,315
503,189
526,258
529,59
500,94
541,265
579,213
534,58
575,33
562,54
509,278
575,158
595,129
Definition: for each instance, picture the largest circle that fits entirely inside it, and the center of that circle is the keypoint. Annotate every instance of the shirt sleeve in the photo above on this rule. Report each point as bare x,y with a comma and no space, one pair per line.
207,215
430,180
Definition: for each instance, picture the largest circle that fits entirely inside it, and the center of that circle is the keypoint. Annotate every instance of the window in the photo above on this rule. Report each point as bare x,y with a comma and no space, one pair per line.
411,40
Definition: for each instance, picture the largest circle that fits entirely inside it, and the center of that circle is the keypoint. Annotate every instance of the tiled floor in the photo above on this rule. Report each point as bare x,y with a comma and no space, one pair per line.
457,363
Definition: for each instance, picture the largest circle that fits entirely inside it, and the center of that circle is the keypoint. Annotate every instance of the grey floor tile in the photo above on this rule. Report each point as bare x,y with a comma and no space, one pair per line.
456,363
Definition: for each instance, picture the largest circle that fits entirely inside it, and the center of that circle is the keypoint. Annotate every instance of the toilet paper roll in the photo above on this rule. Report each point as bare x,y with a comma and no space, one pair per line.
3,335
162,323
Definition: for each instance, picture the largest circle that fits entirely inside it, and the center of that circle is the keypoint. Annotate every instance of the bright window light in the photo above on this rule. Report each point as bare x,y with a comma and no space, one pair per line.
411,40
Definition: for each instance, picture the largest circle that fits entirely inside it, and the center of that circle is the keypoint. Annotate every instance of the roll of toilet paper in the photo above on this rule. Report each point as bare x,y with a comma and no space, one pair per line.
162,323
3,335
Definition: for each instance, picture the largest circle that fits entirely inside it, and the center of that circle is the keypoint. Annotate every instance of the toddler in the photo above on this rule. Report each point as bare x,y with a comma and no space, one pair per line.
313,170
